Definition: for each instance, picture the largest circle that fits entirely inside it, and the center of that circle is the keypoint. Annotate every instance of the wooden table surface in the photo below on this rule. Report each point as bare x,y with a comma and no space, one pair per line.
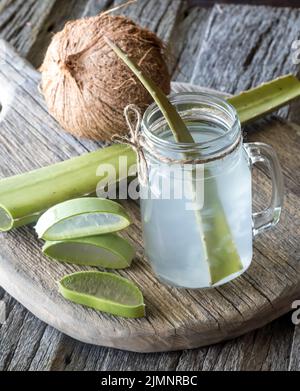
227,47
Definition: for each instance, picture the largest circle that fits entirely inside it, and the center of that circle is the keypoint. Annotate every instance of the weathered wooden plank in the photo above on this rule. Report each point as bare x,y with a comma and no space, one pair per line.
53,352
244,46
21,21
56,351
264,349
31,345
277,354
78,356
295,351
19,336
191,28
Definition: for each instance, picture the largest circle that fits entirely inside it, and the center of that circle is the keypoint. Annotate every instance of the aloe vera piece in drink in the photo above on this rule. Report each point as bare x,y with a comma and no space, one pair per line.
105,292
227,261
109,251
82,217
24,197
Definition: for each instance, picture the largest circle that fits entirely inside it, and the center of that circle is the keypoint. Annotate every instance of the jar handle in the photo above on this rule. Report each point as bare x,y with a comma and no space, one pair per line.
265,154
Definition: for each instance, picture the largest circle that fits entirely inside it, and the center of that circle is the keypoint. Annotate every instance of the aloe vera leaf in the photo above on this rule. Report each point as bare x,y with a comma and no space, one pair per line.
181,133
24,197
105,292
109,251
265,98
82,217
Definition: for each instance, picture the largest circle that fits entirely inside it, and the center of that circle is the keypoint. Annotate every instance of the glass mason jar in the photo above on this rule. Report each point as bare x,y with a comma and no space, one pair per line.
196,204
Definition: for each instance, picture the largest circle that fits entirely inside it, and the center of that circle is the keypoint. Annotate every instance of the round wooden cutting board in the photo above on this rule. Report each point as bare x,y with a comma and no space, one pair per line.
176,318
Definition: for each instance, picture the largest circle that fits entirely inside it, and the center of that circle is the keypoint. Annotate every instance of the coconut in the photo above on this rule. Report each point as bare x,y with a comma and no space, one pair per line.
86,86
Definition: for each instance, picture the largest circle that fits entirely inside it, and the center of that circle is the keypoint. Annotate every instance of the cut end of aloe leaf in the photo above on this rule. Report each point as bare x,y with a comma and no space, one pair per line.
109,251
6,220
82,217
105,292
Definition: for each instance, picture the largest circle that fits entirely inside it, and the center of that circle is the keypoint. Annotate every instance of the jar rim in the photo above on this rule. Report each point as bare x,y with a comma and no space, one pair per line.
233,131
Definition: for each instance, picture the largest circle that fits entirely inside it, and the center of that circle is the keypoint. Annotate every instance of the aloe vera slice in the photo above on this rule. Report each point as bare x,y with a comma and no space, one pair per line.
80,218
109,251
23,198
105,292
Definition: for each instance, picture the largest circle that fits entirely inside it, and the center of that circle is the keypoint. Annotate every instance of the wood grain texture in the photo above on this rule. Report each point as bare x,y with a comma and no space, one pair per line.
191,27
244,46
21,21
56,351
264,349
294,364
176,319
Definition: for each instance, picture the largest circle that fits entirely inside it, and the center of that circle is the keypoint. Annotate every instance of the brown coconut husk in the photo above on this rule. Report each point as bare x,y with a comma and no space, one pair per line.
86,87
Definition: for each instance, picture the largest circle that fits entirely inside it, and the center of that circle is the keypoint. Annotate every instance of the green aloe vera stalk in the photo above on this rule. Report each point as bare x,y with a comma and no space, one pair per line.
225,261
105,292
82,217
109,251
181,132
265,98
24,197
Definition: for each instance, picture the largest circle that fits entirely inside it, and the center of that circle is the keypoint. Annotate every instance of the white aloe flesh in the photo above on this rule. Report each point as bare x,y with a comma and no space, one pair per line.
109,251
105,292
82,217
